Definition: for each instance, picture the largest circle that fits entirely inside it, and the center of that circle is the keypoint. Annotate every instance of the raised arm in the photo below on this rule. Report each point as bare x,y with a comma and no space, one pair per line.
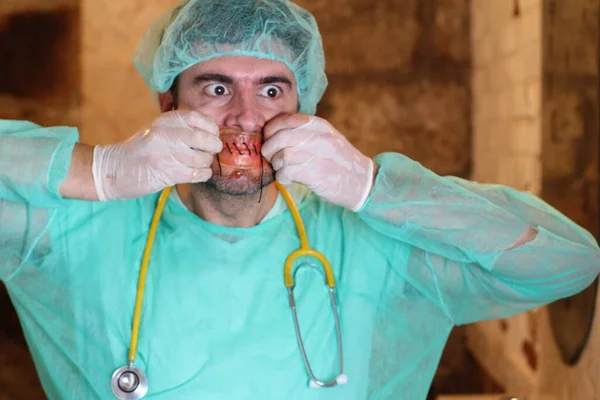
480,251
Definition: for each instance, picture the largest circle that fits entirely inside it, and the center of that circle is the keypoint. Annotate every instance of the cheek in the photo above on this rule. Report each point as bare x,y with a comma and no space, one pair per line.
286,104
211,107
214,113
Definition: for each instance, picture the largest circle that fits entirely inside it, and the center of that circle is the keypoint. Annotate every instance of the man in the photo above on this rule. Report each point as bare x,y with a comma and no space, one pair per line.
413,253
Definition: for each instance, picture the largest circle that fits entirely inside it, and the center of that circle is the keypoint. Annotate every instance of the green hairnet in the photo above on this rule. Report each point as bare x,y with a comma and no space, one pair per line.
198,30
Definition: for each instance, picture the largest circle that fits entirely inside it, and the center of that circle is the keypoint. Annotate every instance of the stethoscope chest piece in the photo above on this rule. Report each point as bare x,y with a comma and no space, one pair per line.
129,383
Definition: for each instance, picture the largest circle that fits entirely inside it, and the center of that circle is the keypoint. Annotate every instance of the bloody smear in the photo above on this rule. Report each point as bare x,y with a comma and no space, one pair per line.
241,156
241,149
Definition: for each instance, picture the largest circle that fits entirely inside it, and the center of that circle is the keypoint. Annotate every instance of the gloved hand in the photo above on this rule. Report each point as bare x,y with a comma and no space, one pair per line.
308,150
178,148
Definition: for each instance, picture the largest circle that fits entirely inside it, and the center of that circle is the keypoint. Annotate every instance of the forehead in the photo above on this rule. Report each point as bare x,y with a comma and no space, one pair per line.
241,68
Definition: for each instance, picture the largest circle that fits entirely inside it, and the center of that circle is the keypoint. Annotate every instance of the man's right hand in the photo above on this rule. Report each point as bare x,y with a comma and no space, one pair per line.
178,148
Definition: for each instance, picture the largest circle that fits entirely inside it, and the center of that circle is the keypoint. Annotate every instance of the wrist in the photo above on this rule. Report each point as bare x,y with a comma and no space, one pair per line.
375,172
78,184
104,169
371,175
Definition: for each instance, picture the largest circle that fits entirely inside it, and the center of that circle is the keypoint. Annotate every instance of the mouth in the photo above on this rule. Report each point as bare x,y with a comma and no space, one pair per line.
241,149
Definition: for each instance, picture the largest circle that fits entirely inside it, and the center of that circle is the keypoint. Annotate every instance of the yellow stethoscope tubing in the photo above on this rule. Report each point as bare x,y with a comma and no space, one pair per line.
303,251
143,271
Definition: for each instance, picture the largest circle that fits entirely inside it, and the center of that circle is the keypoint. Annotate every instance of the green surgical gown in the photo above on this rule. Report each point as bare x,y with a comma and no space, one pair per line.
424,254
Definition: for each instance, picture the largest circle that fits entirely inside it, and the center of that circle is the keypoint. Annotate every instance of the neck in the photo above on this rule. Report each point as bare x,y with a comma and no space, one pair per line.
227,210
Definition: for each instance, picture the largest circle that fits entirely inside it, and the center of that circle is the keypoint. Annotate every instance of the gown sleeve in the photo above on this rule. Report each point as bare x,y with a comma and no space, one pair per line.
461,238
34,161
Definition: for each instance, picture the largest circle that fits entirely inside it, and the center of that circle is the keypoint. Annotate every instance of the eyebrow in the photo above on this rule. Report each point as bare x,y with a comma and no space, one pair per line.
276,79
212,77
209,77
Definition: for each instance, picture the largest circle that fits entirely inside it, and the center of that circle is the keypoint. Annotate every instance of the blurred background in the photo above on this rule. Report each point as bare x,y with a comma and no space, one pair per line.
501,91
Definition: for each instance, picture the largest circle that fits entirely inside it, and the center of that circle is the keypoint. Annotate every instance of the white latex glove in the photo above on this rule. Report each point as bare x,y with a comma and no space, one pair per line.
178,148
308,150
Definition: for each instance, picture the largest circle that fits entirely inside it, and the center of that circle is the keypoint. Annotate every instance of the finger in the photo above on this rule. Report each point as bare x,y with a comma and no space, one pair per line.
284,139
288,157
199,140
289,174
195,159
188,119
192,175
199,175
282,176
285,121
173,174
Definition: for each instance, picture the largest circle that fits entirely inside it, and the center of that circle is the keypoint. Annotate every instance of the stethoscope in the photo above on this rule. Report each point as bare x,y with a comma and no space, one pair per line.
130,383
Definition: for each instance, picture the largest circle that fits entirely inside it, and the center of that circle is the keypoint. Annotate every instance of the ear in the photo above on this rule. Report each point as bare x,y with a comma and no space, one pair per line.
166,101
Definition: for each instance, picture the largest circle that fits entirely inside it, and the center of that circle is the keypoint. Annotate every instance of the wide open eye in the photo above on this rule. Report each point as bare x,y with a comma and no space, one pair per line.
271,91
217,89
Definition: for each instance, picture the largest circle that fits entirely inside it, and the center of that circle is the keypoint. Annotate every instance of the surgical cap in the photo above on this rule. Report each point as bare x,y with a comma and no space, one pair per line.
199,30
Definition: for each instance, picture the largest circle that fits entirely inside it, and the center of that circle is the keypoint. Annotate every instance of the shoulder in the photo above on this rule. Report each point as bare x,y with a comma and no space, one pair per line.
132,212
29,129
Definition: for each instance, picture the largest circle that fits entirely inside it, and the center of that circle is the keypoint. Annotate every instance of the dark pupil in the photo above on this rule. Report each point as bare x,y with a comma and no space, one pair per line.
220,90
272,93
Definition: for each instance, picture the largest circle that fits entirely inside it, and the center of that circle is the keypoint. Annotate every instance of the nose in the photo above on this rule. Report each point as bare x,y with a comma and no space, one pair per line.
245,114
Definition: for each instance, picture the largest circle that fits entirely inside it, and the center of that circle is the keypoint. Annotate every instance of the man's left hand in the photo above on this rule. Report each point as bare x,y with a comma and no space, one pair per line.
308,150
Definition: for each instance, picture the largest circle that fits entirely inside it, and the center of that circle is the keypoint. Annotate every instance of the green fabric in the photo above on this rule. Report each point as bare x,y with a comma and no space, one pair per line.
424,254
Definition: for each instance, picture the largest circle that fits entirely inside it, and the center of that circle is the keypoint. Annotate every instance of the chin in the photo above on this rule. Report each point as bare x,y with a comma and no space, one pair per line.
240,169
240,182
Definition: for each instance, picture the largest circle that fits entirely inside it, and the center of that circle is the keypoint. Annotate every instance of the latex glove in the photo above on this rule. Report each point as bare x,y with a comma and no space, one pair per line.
308,150
178,148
